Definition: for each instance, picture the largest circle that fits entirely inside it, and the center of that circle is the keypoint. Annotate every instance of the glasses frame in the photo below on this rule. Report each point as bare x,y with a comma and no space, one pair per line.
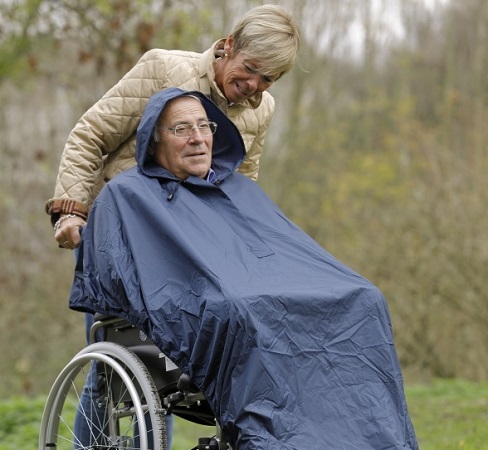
190,129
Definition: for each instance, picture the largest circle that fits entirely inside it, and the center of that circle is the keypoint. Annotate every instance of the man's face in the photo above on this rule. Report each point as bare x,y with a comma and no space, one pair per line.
184,156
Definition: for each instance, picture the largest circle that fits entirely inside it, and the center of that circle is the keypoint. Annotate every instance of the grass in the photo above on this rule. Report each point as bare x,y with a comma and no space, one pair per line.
450,414
447,415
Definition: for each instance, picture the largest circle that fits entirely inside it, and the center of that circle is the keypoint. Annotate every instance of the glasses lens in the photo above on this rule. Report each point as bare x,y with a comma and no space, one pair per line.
205,129
183,130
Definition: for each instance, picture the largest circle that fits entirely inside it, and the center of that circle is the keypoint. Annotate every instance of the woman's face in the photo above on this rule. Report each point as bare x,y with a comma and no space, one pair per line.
239,78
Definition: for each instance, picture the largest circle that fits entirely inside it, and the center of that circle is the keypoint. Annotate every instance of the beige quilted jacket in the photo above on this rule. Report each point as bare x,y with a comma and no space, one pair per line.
102,143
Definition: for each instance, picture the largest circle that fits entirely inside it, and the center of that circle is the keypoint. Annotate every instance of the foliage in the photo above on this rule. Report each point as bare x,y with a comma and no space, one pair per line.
447,414
19,427
106,34
14,39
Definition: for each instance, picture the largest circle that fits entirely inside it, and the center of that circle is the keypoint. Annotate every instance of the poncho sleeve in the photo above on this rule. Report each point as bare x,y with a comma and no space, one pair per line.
105,275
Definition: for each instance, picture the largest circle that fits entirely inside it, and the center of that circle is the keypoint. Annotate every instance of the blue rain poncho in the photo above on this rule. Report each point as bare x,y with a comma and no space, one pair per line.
292,349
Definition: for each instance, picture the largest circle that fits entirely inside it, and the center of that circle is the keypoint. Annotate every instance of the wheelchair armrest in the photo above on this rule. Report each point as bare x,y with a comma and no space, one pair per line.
103,322
102,317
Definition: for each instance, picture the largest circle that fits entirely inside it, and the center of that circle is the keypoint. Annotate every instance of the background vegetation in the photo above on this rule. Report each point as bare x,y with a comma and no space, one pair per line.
447,414
379,150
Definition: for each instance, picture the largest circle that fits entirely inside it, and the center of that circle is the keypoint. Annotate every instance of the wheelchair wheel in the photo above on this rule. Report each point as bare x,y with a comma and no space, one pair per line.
123,412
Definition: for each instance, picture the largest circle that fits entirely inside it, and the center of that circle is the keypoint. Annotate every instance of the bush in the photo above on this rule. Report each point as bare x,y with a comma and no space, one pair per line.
20,421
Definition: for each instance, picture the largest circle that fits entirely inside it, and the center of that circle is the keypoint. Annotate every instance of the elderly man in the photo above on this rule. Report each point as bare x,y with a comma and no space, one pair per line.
292,349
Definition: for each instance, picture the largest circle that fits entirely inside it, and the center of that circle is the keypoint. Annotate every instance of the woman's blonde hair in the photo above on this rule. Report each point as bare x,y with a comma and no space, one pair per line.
270,35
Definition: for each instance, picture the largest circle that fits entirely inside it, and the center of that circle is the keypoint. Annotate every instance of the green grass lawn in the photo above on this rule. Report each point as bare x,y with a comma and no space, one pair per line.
447,415
450,414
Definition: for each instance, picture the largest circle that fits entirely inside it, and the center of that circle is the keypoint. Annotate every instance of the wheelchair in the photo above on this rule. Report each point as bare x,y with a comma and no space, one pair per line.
137,386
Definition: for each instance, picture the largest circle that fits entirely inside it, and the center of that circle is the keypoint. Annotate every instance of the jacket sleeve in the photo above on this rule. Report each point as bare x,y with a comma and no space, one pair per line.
250,165
101,130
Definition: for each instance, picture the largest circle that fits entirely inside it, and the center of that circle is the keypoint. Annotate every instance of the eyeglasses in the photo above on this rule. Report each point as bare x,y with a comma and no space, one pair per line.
186,130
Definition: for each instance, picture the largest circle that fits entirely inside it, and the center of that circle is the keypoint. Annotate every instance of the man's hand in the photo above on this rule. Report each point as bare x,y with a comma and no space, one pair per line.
68,231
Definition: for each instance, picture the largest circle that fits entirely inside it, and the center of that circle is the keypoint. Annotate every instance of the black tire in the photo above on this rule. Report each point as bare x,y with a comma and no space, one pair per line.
127,400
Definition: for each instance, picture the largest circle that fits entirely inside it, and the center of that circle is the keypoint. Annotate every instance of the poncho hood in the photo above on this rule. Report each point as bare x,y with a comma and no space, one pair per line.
228,150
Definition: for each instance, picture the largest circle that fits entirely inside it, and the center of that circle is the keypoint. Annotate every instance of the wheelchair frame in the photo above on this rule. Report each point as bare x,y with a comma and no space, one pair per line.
137,386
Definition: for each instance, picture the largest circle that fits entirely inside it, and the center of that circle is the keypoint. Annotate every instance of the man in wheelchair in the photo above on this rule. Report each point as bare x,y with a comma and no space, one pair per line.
291,348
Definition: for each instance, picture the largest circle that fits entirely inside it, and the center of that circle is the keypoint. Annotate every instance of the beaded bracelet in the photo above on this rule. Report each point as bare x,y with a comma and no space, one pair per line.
60,220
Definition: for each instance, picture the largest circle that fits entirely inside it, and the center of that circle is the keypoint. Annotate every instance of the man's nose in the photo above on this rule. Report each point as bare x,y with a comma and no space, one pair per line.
196,135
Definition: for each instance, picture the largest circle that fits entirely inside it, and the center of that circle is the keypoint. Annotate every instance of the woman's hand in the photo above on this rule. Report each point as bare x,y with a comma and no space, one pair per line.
67,231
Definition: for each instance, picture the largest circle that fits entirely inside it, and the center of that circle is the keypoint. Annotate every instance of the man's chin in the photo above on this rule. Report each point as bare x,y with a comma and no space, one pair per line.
200,173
